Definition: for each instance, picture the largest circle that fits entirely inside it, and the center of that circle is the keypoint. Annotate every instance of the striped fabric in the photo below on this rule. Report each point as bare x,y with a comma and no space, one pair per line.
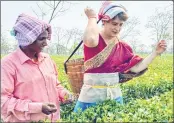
27,29
111,10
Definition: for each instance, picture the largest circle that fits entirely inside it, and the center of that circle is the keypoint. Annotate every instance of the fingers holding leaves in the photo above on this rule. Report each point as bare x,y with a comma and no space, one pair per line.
161,46
49,108
70,97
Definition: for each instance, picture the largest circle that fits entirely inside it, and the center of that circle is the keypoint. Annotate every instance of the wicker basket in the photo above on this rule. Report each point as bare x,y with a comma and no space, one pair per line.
75,69
75,72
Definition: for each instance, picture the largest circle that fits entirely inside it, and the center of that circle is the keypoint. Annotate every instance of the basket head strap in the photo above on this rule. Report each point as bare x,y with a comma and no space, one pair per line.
72,55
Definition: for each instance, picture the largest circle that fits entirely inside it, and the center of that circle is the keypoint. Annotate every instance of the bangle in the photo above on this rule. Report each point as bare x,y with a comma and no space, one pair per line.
92,17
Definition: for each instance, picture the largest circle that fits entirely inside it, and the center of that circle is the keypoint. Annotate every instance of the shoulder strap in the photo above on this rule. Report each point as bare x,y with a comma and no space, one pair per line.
74,52
80,44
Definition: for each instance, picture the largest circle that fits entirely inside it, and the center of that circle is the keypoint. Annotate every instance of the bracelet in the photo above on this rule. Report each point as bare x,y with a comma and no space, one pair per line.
92,17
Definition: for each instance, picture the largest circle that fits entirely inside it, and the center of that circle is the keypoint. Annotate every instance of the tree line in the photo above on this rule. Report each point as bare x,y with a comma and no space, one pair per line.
160,25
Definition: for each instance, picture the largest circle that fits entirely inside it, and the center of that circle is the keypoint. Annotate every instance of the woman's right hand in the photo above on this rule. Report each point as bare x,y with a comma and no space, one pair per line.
90,13
90,36
48,108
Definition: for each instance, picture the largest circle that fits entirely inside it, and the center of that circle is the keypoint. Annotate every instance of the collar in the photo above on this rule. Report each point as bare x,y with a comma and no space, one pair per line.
23,57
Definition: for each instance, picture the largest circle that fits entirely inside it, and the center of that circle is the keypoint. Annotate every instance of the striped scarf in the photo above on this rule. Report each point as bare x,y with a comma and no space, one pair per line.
109,10
27,29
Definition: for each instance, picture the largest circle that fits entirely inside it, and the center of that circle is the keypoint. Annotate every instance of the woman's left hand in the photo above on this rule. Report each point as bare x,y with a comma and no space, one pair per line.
161,47
69,98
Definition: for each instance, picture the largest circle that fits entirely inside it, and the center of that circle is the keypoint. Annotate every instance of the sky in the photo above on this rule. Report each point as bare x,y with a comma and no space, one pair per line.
75,17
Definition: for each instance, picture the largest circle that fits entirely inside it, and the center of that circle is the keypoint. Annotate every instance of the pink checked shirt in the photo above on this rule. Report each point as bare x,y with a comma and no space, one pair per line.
25,85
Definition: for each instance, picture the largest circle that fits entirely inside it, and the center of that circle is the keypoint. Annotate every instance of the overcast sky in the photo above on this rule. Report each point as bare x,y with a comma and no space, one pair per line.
75,17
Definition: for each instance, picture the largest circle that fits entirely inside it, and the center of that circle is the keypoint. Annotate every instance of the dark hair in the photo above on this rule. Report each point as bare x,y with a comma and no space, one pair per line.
122,16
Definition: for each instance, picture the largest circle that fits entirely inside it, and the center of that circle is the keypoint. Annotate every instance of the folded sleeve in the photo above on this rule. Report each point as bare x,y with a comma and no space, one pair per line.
129,59
21,109
123,68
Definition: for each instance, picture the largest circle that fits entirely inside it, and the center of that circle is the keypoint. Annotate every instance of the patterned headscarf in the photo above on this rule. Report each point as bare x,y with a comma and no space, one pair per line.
109,10
27,29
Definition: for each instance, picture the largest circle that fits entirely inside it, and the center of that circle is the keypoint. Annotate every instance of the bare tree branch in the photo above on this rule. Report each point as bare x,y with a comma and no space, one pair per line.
55,7
159,24
129,28
50,5
35,12
61,11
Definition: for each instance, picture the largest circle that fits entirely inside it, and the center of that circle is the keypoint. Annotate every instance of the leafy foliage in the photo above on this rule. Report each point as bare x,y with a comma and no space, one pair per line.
146,99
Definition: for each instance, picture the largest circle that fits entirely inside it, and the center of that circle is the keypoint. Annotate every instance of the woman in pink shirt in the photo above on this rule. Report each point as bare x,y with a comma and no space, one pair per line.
30,90
108,60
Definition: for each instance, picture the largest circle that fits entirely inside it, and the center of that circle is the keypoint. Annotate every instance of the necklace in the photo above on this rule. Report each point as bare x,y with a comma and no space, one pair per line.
35,59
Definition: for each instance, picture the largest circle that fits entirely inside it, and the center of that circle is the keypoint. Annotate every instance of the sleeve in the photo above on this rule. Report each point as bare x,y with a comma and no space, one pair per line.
21,109
62,92
129,59
125,73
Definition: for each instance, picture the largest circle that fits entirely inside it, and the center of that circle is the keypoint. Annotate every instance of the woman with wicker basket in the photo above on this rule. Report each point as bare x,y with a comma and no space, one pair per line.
107,60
